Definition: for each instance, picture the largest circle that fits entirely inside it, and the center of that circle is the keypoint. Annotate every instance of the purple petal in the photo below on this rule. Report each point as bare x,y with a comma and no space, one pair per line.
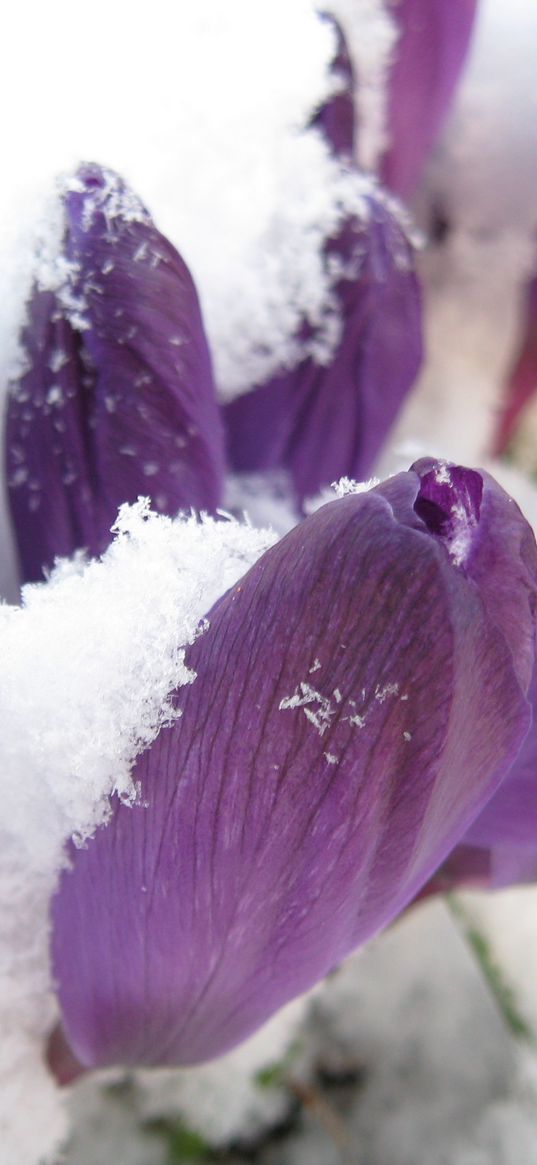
355,706
322,422
501,845
434,36
522,378
508,824
489,538
118,397
466,867
336,118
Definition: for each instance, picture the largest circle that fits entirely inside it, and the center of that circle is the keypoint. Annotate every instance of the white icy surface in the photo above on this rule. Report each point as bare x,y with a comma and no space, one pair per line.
88,664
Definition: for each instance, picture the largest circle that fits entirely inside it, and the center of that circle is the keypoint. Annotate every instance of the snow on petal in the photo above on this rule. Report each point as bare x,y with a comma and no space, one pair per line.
327,417
357,703
89,664
117,398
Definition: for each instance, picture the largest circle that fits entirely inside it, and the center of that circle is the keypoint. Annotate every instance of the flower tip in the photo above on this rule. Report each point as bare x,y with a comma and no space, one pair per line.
91,175
94,190
449,500
117,397
488,538
335,118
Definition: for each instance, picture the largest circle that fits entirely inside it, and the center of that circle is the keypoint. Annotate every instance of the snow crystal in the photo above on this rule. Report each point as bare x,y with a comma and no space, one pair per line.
386,690
442,475
88,666
346,485
303,696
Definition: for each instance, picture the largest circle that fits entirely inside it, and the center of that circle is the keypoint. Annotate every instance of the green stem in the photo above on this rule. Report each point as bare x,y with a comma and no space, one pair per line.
500,990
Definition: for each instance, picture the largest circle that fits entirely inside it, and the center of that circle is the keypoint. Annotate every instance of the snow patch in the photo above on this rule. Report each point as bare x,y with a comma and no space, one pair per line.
89,663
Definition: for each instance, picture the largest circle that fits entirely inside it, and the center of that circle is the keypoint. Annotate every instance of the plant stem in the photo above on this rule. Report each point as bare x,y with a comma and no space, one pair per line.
502,993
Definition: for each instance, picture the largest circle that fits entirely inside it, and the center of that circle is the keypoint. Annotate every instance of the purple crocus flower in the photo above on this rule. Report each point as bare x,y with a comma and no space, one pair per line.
433,40
522,379
336,118
360,695
117,398
323,421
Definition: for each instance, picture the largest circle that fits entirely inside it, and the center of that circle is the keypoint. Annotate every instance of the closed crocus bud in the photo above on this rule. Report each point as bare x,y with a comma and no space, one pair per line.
359,698
324,420
117,399
522,378
433,40
336,119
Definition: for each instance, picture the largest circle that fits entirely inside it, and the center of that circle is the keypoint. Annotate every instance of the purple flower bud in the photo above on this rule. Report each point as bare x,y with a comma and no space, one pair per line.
324,421
117,399
358,700
522,379
433,41
336,117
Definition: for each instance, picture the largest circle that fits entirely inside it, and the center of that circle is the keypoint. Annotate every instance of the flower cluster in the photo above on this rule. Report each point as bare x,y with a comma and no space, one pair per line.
352,727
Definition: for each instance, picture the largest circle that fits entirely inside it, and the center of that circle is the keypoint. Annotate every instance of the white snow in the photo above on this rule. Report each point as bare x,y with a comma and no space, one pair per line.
305,695
88,664
211,145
